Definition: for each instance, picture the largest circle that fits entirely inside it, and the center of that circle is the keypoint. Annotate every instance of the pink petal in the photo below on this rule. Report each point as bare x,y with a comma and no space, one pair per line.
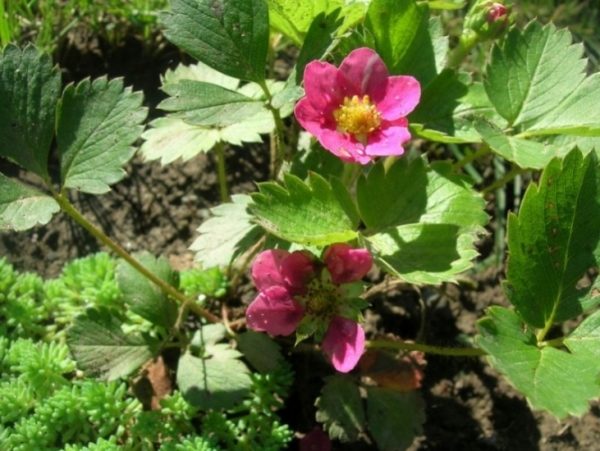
315,440
325,88
388,139
365,72
343,146
297,269
347,264
266,269
401,97
274,311
344,343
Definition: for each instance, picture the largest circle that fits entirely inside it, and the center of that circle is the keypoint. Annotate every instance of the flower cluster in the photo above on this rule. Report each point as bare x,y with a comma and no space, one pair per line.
357,111
297,292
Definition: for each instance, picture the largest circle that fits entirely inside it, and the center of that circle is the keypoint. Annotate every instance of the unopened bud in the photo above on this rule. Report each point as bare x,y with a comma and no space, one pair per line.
497,12
486,19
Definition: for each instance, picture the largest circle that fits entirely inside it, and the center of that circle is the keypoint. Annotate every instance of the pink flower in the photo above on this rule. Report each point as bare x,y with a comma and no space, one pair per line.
357,111
497,12
291,289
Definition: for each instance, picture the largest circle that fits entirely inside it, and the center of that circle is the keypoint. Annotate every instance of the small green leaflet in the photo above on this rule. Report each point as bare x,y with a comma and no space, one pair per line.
142,296
224,235
231,36
218,382
102,349
23,207
554,240
29,89
395,418
98,121
310,213
263,353
340,409
552,379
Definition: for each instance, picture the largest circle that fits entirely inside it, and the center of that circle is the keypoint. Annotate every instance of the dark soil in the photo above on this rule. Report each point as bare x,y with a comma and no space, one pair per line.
468,406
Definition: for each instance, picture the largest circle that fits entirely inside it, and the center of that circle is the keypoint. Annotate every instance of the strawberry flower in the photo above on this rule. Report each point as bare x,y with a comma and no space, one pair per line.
357,111
298,292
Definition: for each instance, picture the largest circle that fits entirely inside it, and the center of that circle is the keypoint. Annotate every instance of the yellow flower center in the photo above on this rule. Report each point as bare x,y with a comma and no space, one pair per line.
357,116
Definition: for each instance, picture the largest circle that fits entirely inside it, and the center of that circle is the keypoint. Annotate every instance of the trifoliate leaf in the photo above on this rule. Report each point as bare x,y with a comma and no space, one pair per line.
98,121
23,207
29,89
394,418
218,382
144,297
101,348
340,409
559,381
222,235
231,36
306,213
554,240
205,104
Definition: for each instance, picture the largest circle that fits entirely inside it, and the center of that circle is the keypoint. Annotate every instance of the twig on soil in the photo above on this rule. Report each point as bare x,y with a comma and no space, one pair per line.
429,349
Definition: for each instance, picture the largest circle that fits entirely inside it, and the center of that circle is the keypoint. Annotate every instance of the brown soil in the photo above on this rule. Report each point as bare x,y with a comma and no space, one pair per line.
469,407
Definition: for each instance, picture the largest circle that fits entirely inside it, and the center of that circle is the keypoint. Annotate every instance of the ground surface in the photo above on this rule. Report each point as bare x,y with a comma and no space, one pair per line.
469,407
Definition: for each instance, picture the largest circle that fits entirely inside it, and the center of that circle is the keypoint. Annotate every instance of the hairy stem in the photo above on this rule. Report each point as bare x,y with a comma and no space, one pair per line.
429,349
469,158
165,287
278,150
508,177
222,172
460,52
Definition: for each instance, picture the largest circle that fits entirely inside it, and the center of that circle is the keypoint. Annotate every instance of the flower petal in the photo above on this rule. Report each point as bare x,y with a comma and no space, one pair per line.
402,95
365,72
325,88
315,440
274,311
266,269
343,146
312,120
344,343
347,264
297,269
388,139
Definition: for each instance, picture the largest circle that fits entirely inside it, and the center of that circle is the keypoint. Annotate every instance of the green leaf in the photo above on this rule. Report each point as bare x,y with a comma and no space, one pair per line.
199,72
218,382
310,214
260,350
98,121
29,89
340,409
555,380
102,349
231,36
395,418
446,4
407,40
525,153
532,71
23,207
144,297
554,240
200,103
222,235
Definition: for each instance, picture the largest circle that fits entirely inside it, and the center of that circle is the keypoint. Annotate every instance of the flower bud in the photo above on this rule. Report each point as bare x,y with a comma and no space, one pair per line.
487,19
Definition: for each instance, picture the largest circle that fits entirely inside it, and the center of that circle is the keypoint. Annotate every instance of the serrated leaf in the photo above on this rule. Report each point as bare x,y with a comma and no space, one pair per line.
29,89
395,418
554,240
558,381
260,350
206,104
199,72
532,71
23,207
213,383
229,35
93,141
101,348
144,297
407,40
523,152
306,213
222,235
340,409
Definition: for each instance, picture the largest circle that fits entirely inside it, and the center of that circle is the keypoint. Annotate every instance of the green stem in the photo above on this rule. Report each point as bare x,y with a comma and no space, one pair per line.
509,176
555,342
468,159
460,52
166,288
278,150
430,349
222,172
